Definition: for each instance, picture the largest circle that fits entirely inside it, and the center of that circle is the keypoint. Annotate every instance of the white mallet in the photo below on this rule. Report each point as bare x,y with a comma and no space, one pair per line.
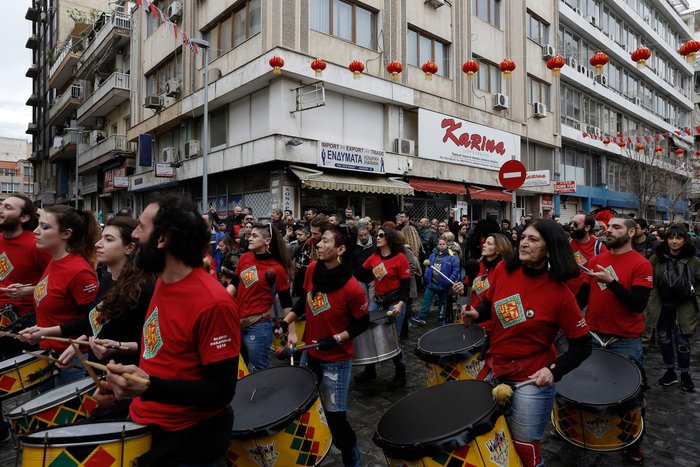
443,276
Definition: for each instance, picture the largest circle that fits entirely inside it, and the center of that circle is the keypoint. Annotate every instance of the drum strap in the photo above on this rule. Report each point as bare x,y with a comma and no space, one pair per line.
603,343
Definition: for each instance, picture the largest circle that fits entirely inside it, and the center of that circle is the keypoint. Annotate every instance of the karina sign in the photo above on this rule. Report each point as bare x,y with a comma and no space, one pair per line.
448,139
339,156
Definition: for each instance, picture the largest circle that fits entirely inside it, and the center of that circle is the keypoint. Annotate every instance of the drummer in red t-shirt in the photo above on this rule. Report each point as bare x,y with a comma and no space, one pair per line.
190,343
584,245
528,302
336,312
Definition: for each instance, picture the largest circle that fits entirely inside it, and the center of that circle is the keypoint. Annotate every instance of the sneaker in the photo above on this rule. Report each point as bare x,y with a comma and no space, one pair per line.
635,453
668,378
366,375
687,383
418,320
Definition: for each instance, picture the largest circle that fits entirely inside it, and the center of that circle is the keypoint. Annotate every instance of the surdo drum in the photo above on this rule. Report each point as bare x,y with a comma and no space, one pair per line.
379,342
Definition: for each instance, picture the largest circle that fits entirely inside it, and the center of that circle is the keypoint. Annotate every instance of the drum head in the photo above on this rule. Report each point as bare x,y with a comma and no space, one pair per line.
605,378
53,397
452,340
437,419
267,400
19,360
85,433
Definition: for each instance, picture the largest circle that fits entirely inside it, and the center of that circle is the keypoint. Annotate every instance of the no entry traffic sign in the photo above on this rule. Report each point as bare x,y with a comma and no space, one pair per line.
512,174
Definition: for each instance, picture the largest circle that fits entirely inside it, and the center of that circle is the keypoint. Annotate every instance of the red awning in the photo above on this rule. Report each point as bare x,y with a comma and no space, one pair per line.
436,186
455,188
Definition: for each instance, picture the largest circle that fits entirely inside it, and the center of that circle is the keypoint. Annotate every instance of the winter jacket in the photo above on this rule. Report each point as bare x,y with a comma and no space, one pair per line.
359,256
449,267
415,268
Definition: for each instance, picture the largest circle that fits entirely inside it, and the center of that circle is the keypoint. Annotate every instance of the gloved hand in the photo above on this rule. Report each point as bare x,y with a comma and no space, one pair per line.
326,343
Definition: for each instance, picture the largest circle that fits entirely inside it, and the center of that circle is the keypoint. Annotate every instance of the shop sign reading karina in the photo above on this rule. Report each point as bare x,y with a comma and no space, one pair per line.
448,139
339,156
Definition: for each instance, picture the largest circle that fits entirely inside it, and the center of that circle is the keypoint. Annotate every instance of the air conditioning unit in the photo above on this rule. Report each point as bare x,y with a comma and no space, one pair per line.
407,147
582,69
168,155
572,62
540,110
435,3
637,101
590,73
590,19
548,51
601,79
168,101
175,11
172,87
153,102
500,101
192,148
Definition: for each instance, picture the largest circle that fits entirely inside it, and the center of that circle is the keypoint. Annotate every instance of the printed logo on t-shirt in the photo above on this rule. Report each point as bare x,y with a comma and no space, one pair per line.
379,271
580,259
614,274
96,318
481,284
318,303
6,266
510,310
152,341
41,289
90,288
249,276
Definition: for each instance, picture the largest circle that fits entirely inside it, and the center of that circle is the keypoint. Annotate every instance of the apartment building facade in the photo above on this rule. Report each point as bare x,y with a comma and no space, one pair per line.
16,171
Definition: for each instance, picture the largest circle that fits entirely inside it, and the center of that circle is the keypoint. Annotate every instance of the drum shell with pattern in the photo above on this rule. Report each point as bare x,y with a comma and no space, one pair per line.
278,420
598,405
452,353
300,326
107,444
455,424
65,405
22,374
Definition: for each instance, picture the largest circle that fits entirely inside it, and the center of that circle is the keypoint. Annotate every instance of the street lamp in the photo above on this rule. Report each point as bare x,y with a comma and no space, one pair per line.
205,126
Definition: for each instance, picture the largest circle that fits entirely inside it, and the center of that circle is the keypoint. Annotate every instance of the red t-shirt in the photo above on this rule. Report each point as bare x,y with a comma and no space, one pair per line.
607,314
190,323
253,292
329,313
387,272
521,345
583,252
65,285
21,262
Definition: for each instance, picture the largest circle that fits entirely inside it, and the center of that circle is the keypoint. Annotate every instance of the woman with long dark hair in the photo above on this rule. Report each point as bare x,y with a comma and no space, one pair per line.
261,273
392,281
336,312
527,303
69,285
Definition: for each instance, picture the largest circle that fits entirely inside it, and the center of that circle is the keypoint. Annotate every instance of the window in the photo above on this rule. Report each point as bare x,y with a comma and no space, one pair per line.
217,127
29,188
488,77
537,29
488,10
157,79
345,19
420,48
28,171
153,21
537,91
234,28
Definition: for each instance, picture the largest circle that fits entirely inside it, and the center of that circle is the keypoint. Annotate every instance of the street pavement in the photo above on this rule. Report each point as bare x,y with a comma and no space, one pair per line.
672,418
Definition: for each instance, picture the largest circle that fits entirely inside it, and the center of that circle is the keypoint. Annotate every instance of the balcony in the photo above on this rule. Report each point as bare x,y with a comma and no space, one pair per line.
32,129
32,14
105,151
64,105
112,92
32,101
32,71
64,147
62,69
32,42
114,32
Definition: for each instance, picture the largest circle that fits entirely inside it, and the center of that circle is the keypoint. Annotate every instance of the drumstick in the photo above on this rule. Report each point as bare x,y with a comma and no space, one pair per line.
9,334
307,347
42,356
443,276
126,376
88,368
503,392
75,341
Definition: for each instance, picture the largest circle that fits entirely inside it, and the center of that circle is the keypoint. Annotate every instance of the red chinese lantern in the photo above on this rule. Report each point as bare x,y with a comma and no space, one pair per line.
598,61
621,143
429,68
640,147
555,64
679,152
318,65
506,66
641,55
606,141
689,50
470,68
357,67
394,68
276,63
697,153
659,150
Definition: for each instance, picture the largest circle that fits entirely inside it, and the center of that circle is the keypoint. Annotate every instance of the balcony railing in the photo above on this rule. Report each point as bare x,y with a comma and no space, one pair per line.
112,143
67,48
74,92
117,20
115,81
60,143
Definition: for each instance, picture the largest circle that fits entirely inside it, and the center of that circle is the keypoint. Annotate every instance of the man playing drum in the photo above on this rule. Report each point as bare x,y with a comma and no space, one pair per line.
616,291
190,343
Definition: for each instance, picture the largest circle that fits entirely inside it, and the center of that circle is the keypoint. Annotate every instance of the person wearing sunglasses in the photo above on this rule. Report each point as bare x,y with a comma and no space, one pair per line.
262,273
392,281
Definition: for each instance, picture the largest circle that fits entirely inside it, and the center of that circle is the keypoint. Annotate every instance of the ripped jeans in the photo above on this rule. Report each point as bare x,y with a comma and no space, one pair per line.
669,331
333,382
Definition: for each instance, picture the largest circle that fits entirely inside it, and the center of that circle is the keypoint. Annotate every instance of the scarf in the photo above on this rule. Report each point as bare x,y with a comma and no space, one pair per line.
330,280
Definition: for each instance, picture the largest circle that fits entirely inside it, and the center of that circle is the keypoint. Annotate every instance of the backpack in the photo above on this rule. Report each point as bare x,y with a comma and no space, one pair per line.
676,280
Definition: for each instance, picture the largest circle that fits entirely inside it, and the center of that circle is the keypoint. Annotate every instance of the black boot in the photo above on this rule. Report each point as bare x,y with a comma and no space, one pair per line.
366,375
399,380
